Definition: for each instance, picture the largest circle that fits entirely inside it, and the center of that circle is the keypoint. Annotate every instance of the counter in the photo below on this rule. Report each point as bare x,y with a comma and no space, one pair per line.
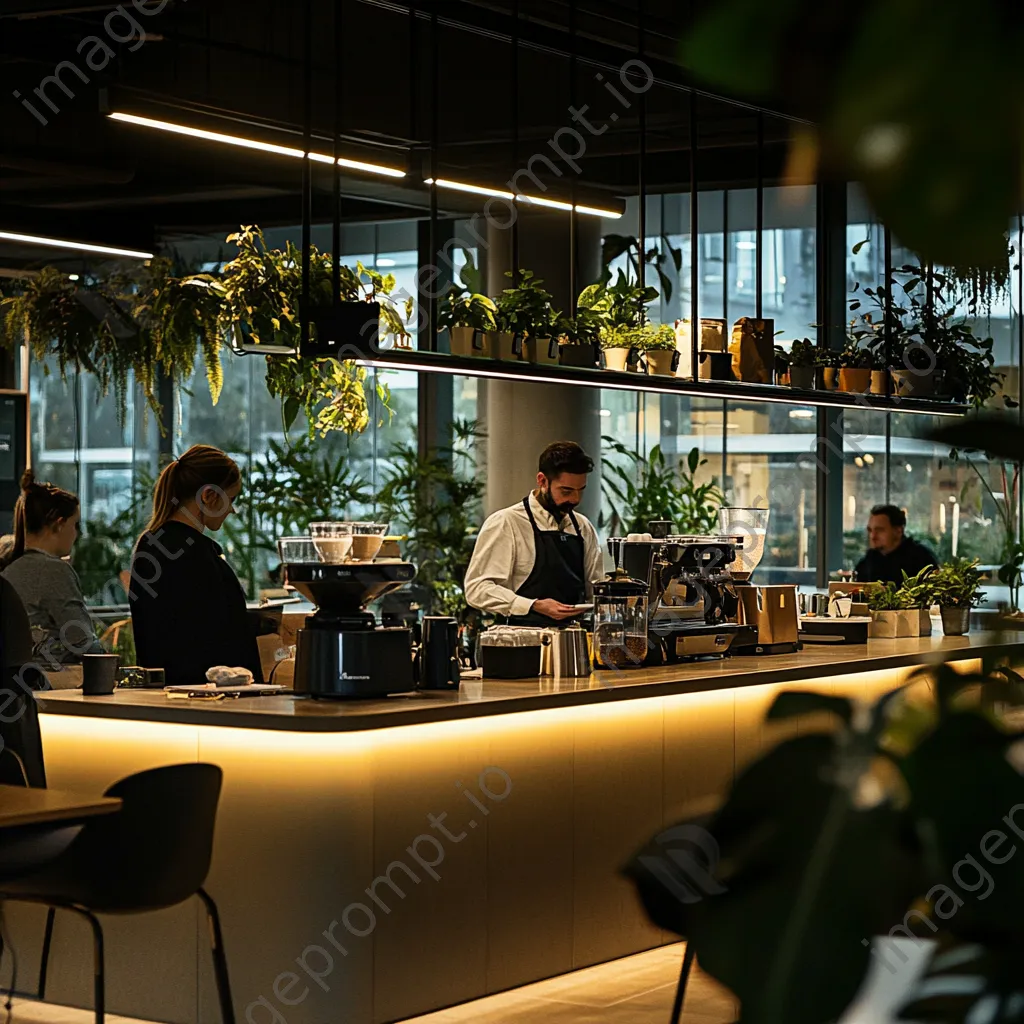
382,859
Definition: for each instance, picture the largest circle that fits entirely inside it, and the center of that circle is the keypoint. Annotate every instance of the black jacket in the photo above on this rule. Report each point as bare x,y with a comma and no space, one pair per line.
188,608
910,558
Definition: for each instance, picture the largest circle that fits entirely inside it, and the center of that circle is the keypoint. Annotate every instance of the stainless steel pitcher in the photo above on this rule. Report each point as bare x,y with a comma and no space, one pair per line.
564,652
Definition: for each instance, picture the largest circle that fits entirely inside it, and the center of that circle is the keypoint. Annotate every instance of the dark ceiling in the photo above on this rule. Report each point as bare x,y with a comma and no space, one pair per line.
239,67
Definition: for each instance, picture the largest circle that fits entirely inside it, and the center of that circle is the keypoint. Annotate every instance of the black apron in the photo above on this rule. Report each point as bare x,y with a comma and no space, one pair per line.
557,572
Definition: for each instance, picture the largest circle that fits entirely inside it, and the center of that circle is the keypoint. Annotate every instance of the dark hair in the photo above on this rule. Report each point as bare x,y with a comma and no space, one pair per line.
201,466
38,506
895,515
564,457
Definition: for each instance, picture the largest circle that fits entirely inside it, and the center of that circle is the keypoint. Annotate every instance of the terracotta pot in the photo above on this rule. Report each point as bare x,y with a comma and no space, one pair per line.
857,381
914,383
662,361
541,350
464,341
505,345
828,378
582,356
879,381
617,359
802,377
955,621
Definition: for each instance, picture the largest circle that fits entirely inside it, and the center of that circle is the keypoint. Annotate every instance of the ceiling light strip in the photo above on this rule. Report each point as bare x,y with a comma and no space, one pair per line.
497,193
256,144
63,243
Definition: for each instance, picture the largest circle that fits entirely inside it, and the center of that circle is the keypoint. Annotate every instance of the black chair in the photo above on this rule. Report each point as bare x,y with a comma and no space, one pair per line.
684,976
155,853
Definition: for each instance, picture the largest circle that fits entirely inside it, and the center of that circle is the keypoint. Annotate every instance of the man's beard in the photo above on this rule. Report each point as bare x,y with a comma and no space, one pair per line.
559,511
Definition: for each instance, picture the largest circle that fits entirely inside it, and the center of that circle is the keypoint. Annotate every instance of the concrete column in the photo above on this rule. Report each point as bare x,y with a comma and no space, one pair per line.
520,418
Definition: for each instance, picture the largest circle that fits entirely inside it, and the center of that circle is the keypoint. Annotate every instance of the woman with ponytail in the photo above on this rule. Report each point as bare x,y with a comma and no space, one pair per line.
45,529
188,608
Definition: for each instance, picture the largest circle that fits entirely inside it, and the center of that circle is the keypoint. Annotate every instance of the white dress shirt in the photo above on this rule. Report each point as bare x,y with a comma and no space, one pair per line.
505,554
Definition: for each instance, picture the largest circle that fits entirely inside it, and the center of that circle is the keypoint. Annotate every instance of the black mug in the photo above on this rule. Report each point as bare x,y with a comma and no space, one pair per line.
99,674
438,659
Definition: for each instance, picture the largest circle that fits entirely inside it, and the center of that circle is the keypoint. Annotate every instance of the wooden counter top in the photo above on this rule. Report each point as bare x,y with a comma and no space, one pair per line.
479,698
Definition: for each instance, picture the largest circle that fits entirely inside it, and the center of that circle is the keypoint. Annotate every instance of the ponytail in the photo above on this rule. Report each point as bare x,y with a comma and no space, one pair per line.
184,479
38,506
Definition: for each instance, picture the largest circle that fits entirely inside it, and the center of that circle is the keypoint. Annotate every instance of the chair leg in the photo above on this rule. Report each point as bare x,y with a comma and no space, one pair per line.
44,959
99,978
220,962
684,977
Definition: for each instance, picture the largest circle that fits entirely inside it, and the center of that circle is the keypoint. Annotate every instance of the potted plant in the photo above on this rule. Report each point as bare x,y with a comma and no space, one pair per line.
955,587
901,609
803,363
855,365
580,338
525,321
469,318
619,345
658,346
827,375
880,377
862,820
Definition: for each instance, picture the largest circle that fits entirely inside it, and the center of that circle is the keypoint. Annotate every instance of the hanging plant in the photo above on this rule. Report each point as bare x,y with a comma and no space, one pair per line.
261,291
84,328
981,287
178,316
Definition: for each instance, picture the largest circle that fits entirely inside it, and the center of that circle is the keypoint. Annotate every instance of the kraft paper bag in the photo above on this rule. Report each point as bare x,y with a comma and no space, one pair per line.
753,350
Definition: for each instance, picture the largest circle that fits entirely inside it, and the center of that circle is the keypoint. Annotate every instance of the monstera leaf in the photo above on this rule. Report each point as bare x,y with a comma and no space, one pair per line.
778,890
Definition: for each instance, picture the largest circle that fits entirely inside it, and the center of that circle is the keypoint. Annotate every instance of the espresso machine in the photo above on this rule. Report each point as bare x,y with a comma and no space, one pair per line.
693,606
342,651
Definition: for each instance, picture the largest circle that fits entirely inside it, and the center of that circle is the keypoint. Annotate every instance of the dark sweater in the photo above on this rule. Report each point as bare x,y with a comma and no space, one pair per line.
910,558
188,608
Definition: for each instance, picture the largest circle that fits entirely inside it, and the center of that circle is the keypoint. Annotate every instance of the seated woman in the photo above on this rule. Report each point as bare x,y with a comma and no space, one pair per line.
188,608
45,530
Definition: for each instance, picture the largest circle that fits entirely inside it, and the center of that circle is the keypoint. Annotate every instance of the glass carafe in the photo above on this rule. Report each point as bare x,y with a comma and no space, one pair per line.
620,622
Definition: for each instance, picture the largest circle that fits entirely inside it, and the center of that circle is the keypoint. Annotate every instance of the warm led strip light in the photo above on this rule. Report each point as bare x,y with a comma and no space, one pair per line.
263,147
497,193
61,243
700,391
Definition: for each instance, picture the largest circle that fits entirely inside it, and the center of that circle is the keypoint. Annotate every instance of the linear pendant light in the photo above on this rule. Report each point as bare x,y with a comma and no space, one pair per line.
62,243
497,193
244,143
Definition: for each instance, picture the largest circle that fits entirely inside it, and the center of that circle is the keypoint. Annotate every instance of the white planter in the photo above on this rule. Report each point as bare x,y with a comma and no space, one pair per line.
616,358
899,624
503,345
464,341
542,350
661,361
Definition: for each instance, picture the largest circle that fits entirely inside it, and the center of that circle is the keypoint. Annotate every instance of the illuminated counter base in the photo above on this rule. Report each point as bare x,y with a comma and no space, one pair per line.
527,887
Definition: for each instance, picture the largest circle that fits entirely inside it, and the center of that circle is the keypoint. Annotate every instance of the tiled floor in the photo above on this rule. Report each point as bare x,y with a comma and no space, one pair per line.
636,990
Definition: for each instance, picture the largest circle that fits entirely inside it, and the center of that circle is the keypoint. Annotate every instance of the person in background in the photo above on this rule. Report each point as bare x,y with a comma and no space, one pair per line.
46,522
188,608
537,559
891,550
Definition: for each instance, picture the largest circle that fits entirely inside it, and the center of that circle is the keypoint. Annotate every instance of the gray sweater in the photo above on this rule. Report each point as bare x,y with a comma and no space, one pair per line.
62,630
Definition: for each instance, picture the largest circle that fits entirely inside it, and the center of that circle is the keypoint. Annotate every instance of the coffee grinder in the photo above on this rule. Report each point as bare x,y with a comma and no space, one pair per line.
768,615
342,651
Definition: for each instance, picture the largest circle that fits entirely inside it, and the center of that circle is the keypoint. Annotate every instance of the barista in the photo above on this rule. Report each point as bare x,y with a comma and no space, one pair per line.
188,608
535,561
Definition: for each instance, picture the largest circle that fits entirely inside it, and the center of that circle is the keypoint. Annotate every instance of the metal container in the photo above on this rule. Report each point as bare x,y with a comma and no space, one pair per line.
564,652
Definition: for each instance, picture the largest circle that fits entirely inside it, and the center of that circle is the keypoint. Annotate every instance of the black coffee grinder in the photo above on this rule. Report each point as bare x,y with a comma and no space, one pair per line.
342,651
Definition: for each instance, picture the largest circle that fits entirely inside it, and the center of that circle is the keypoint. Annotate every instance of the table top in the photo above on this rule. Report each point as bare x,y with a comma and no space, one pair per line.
487,697
20,805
